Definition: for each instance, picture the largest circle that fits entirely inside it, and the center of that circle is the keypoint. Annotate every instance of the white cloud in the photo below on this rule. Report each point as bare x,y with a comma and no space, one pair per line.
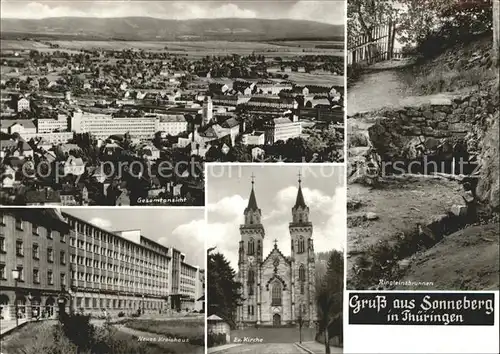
226,237
179,10
317,201
186,10
194,230
190,238
332,234
228,207
102,223
321,11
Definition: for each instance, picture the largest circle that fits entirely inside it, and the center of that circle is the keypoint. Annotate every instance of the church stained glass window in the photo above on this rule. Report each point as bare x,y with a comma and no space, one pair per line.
276,295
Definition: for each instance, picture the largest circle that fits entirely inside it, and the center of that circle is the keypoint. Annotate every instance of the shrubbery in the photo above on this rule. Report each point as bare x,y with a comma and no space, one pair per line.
216,339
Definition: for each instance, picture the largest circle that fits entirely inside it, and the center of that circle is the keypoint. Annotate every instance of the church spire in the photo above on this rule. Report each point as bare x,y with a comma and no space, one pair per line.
252,202
299,201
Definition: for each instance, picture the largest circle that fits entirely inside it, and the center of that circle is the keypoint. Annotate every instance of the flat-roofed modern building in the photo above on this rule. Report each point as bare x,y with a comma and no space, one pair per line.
103,126
92,270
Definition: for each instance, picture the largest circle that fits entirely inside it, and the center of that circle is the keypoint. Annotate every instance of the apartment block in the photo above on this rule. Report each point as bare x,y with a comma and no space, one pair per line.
66,261
35,243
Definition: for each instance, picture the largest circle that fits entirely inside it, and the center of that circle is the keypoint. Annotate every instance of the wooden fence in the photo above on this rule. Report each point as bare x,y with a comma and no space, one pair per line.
364,51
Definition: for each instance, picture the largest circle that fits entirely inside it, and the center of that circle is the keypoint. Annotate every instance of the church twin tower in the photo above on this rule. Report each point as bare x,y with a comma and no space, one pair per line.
277,290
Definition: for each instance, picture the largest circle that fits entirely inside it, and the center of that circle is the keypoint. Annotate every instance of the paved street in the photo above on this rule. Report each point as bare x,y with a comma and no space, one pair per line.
318,348
264,348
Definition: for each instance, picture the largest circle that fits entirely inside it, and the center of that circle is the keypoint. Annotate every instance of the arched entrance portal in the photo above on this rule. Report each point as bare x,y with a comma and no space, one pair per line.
276,320
49,306
35,306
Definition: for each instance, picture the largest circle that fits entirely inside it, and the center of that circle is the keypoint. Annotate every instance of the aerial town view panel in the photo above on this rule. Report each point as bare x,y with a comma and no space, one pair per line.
106,109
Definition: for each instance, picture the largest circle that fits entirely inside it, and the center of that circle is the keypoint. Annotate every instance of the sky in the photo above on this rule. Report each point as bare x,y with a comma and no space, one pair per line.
326,11
179,228
228,190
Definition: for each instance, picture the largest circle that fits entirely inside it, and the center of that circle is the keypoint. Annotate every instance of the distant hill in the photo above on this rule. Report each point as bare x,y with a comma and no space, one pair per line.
146,28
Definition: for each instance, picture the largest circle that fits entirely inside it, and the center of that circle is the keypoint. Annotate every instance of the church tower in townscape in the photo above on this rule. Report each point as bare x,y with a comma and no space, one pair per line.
276,290
250,257
303,269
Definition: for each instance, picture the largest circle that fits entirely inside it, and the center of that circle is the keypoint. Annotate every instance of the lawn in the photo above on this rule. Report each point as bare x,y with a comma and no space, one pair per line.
47,338
192,329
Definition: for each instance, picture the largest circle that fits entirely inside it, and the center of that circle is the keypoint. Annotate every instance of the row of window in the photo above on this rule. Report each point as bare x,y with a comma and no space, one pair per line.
188,281
89,262
36,252
96,278
190,272
36,275
116,304
251,247
157,264
301,246
37,230
186,290
103,236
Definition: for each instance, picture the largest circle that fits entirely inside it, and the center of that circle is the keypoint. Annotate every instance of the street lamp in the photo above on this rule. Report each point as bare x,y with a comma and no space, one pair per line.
143,304
15,276
301,323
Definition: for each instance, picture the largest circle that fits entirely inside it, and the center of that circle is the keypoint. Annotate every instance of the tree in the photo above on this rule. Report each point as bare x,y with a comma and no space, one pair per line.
436,24
496,30
364,16
329,299
223,291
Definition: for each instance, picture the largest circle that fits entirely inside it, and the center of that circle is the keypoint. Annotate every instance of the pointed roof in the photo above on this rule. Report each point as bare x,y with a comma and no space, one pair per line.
252,201
299,202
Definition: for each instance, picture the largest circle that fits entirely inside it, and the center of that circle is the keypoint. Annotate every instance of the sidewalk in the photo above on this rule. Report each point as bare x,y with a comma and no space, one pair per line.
317,348
8,325
221,347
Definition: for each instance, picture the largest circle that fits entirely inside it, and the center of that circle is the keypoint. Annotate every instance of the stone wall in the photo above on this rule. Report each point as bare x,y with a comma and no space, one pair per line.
464,125
412,131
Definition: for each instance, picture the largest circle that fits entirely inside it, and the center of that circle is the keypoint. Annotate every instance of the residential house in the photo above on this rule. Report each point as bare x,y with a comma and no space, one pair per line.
149,151
46,196
281,129
22,104
74,166
24,127
172,124
257,153
15,148
123,198
8,177
233,127
255,138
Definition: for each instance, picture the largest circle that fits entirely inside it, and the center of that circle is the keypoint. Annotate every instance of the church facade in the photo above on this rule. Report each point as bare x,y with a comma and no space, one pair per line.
277,290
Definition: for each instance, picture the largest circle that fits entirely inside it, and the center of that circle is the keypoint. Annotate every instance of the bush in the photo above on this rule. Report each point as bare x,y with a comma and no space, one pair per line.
78,330
121,314
216,339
